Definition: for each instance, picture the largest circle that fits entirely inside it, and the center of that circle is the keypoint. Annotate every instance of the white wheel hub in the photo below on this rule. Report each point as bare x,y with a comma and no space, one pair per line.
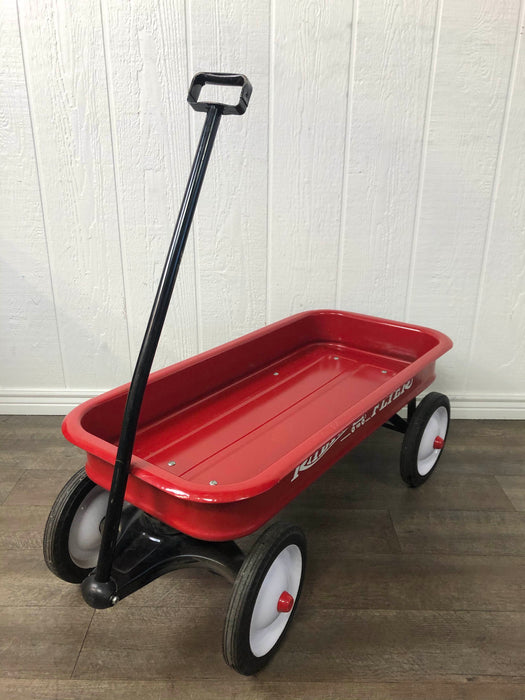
84,534
430,446
267,623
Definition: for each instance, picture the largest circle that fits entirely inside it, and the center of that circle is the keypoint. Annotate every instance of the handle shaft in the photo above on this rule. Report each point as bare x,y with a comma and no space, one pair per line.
149,345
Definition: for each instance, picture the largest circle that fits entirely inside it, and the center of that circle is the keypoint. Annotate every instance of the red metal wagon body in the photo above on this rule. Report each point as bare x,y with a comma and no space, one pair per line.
227,438
182,462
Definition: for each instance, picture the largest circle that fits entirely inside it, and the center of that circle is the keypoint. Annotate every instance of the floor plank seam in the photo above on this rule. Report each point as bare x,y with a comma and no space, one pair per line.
13,487
396,535
82,645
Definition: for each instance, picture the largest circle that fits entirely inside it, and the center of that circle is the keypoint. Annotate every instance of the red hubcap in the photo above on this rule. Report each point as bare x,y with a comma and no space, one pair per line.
285,603
438,443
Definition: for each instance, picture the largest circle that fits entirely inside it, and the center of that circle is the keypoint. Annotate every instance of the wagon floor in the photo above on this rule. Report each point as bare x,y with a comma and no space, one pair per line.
409,593
239,430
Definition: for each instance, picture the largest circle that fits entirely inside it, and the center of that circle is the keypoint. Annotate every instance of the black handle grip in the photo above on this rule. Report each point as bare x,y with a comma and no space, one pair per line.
234,80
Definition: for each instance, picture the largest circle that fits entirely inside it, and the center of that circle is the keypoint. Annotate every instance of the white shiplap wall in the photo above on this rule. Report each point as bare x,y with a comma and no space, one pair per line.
379,168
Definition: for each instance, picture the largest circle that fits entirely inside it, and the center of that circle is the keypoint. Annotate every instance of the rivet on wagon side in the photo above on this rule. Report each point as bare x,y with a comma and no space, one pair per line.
275,374
213,483
171,464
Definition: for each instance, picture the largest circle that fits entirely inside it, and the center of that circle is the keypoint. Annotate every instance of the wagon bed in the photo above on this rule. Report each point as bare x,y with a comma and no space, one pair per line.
236,421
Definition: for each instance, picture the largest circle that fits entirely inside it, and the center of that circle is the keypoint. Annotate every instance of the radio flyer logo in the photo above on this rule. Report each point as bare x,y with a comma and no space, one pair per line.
351,429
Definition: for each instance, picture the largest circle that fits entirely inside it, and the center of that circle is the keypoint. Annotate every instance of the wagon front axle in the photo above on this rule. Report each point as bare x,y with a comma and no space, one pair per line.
147,549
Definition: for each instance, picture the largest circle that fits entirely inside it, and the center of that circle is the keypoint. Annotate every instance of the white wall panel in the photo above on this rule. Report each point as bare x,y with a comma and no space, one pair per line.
64,58
393,59
497,343
468,104
29,348
309,82
231,220
147,80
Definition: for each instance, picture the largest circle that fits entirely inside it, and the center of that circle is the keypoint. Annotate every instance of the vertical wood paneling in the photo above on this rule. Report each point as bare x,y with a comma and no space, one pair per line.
388,100
29,349
497,350
231,219
309,103
474,62
147,80
379,168
64,59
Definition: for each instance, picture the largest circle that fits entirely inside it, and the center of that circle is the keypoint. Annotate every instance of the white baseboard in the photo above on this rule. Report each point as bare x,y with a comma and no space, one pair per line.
488,406
58,403
42,402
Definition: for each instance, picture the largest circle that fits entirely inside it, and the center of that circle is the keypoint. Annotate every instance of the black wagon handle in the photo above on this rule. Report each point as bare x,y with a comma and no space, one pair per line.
99,589
228,79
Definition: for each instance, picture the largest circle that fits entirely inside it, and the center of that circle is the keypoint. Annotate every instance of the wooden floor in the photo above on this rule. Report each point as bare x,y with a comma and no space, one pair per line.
410,594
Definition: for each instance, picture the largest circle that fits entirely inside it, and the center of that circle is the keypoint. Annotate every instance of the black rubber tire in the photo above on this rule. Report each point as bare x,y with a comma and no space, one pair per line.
58,525
236,640
414,434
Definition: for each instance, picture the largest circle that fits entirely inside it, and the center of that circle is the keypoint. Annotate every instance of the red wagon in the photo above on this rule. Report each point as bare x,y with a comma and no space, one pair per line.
182,462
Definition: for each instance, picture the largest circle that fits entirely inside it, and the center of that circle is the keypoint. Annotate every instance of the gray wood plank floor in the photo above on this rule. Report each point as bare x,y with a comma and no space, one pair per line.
410,593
